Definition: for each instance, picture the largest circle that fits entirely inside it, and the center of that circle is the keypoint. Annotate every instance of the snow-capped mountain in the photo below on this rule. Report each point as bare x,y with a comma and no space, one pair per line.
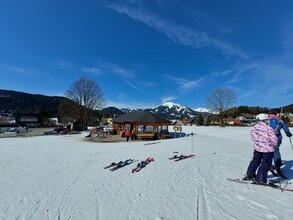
128,110
206,110
172,110
201,109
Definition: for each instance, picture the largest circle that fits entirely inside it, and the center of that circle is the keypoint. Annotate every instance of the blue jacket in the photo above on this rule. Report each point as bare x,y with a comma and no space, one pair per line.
277,124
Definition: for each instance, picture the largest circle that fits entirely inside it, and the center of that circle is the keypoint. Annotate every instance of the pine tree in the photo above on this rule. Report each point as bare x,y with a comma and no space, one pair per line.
208,122
200,120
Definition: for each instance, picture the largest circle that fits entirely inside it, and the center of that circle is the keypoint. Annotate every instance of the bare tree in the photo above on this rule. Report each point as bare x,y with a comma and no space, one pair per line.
220,100
87,96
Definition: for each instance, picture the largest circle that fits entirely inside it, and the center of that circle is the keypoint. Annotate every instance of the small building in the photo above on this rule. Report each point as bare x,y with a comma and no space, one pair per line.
107,121
230,121
291,120
178,122
27,120
53,121
246,119
188,121
142,125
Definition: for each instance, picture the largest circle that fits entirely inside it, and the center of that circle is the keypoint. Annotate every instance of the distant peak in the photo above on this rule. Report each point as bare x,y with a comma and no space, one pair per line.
170,104
205,110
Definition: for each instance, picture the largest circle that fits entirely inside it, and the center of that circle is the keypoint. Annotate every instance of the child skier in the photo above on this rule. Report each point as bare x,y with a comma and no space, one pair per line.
264,139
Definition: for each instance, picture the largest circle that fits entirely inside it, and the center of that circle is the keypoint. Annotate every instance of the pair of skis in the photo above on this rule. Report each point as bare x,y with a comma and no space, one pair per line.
115,166
273,185
142,164
177,158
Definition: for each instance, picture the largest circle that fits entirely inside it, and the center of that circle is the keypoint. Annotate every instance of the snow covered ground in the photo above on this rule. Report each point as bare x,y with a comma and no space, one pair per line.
62,177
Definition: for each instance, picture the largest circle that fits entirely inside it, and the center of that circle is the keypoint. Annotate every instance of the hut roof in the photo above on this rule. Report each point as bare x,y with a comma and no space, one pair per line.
141,117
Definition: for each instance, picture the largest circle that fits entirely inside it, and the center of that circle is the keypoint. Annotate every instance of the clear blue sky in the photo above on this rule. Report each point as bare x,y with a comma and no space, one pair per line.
144,53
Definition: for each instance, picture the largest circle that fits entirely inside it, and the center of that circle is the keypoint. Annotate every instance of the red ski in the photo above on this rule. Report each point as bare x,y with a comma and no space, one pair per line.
142,164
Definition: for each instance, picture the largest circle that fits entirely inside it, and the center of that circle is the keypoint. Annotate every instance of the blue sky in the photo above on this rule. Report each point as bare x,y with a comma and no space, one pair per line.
144,53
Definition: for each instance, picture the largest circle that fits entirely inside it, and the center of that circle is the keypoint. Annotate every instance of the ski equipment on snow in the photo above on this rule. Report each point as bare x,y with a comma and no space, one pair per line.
277,172
175,157
142,164
280,181
269,184
123,164
112,164
181,157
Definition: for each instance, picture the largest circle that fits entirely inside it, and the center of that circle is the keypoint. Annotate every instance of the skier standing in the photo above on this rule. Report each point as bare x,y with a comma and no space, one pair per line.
264,139
127,135
277,124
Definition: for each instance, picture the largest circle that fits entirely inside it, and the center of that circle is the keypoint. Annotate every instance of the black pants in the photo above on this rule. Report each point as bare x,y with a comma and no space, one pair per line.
262,162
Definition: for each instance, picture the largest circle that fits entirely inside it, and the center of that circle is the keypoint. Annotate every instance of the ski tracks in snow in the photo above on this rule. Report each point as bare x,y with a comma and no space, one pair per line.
66,192
202,207
189,176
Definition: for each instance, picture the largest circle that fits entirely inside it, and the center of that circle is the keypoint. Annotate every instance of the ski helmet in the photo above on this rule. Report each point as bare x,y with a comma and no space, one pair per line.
262,117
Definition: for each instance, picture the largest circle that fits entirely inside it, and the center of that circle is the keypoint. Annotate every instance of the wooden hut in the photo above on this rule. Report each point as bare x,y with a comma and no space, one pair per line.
144,125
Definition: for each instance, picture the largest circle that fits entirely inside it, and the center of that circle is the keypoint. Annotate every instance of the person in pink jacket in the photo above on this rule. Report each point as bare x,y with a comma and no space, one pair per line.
264,139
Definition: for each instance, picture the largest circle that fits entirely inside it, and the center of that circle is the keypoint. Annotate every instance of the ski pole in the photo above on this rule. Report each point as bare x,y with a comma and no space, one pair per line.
192,142
291,143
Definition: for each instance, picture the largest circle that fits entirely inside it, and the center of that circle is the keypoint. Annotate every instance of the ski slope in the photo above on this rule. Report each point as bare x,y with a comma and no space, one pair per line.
62,177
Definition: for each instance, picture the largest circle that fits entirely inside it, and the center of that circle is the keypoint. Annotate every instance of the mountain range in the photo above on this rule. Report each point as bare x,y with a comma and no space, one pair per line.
20,102
168,110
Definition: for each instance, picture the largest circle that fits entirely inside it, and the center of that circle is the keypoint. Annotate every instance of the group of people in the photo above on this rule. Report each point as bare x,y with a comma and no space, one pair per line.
267,138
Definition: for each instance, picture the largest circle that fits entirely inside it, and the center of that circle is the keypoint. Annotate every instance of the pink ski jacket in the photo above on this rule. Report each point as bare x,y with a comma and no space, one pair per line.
264,137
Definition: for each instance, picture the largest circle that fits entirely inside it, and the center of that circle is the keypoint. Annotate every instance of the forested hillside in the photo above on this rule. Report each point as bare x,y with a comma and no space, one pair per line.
20,102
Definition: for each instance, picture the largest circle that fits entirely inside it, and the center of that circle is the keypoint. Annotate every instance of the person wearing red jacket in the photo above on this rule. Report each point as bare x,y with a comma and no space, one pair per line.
127,135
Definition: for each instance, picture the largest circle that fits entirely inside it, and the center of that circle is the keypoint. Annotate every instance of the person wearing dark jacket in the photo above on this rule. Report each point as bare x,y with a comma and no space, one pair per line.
277,124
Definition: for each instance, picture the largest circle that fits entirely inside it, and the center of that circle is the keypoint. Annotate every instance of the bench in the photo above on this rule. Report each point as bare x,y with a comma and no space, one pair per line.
145,136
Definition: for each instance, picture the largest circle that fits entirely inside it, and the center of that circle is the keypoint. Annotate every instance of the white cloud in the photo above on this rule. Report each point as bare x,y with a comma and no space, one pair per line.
116,69
239,72
124,101
169,99
132,86
185,85
123,72
16,69
65,64
223,73
269,83
179,34
236,72
93,70
287,35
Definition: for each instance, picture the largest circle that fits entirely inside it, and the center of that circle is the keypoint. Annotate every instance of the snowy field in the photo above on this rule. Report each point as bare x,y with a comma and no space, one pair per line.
62,178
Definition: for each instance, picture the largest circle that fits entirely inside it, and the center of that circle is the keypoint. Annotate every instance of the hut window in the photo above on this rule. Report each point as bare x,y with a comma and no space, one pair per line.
140,129
149,129
165,128
127,127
